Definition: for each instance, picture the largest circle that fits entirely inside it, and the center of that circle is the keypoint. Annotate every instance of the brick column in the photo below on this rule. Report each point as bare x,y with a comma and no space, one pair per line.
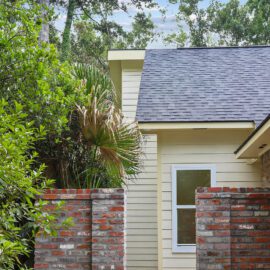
108,229
250,228
96,241
213,235
233,228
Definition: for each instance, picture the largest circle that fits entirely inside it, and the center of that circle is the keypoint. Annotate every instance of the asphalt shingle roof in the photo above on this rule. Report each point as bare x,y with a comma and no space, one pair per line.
205,84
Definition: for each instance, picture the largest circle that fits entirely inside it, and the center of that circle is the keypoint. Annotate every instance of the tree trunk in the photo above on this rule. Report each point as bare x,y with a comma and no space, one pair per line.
66,34
44,33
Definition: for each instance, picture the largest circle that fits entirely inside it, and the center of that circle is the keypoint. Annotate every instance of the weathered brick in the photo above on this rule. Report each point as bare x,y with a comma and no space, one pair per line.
261,213
100,221
218,227
117,209
240,232
58,253
105,227
46,246
97,237
41,266
67,233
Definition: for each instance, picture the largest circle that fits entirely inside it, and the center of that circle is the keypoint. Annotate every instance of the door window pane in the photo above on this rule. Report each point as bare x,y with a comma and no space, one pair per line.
186,226
188,181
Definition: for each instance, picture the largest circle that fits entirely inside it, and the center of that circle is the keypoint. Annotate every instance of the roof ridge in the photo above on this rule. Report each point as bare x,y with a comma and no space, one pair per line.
210,48
194,48
224,47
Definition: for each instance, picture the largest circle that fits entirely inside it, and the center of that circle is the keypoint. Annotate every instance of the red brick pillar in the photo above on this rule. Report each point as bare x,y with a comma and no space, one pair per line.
233,228
96,241
250,228
108,229
213,229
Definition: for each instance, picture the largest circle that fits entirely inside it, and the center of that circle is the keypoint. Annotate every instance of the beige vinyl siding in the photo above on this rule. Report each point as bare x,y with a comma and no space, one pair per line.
142,212
142,235
198,147
130,90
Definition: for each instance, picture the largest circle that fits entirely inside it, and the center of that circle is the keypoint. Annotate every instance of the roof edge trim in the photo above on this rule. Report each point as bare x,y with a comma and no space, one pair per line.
197,125
253,136
121,55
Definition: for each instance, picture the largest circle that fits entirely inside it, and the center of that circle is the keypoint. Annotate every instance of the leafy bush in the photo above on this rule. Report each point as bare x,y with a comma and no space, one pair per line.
31,73
69,121
21,181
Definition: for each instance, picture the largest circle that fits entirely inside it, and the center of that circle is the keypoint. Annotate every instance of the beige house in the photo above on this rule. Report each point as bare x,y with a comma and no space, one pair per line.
198,110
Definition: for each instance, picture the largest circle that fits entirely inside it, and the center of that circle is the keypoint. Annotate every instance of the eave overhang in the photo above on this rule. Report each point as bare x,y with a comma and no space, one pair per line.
257,143
147,126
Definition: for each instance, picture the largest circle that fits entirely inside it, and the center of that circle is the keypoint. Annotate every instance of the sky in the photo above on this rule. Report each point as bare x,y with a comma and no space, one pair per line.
163,25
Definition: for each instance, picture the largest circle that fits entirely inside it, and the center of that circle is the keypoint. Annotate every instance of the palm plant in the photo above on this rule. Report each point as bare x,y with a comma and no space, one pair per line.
113,145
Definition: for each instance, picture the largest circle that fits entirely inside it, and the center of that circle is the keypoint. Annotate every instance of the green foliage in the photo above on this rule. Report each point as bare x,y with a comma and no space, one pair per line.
230,23
179,38
259,27
96,84
30,72
32,75
102,150
114,145
91,42
69,120
87,46
195,18
20,182
95,31
141,34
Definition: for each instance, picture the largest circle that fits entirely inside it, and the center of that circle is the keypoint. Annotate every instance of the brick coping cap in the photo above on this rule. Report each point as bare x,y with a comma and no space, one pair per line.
83,194
85,191
231,190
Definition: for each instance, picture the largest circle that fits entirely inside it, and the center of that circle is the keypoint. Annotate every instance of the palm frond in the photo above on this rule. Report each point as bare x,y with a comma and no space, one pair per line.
114,145
117,144
97,84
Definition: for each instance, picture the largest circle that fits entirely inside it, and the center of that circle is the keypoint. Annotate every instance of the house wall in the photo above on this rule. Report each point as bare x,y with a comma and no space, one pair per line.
149,230
198,147
141,239
131,78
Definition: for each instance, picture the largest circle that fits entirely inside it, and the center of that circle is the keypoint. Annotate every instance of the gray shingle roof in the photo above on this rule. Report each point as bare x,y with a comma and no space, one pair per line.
205,84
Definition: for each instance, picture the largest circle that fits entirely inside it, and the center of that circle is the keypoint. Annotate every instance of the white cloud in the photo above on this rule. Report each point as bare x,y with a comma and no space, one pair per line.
193,17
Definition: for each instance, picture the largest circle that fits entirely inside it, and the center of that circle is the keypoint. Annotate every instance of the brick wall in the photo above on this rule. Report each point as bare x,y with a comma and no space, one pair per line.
233,228
97,239
266,168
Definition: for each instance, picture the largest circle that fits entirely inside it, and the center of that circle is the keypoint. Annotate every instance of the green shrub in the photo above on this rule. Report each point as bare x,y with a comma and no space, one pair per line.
31,73
21,181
